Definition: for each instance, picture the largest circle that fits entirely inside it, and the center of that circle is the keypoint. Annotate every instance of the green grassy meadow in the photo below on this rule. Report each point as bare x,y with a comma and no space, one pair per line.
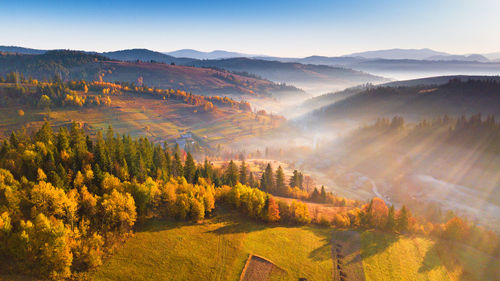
389,257
217,249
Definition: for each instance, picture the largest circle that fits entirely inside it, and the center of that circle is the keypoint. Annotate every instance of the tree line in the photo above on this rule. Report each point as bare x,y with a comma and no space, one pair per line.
56,93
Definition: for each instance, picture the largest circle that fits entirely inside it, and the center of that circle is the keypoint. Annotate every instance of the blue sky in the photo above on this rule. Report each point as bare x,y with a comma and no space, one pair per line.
272,27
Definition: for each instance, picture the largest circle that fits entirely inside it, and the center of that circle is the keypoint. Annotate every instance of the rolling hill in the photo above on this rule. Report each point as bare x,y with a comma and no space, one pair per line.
315,78
456,97
221,244
159,115
21,50
438,80
326,99
72,65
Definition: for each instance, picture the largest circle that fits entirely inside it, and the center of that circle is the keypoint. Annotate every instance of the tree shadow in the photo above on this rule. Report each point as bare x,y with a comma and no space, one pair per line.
232,227
322,253
377,243
349,244
451,255
431,259
159,224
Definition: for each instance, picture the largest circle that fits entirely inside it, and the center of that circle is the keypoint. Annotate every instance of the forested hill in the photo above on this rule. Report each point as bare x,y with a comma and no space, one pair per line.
74,65
319,78
438,80
453,98
295,73
65,64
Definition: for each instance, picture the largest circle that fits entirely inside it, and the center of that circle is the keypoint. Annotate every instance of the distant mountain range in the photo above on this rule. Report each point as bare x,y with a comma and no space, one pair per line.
417,54
319,74
399,54
389,54
217,54
145,55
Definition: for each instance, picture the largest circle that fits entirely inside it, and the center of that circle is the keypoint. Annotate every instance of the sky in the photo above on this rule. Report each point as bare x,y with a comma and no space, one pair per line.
283,28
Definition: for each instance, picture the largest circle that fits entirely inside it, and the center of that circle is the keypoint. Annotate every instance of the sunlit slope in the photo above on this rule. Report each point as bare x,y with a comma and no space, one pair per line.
217,250
390,257
139,116
387,257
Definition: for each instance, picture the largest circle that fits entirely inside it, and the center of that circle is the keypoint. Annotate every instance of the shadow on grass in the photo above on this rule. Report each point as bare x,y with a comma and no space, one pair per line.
159,224
375,242
350,242
470,261
232,222
322,253
431,258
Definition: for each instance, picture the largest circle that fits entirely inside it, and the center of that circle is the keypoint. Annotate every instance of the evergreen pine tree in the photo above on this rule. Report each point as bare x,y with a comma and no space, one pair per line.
294,179
267,180
207,170
391,220
315,196
189,168
231,175
177,169
402,220
243,173
323,194
280,181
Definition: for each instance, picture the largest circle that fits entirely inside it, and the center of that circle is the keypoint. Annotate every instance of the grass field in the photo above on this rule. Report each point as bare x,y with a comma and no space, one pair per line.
217,250
389,257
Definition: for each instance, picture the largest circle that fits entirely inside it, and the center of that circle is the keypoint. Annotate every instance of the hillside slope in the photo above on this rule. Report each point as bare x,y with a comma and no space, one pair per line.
315,78
307,76
218,247
217,250
454,98
72,65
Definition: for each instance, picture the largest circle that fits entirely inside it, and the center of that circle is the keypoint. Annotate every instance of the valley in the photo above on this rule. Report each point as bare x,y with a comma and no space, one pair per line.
205,167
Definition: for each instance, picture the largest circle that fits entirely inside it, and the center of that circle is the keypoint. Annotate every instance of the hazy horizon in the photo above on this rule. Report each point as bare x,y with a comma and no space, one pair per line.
280,28
247,53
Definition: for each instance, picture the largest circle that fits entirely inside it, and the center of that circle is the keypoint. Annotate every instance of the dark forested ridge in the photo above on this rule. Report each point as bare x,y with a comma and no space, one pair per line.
74,65
65,64
456,97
